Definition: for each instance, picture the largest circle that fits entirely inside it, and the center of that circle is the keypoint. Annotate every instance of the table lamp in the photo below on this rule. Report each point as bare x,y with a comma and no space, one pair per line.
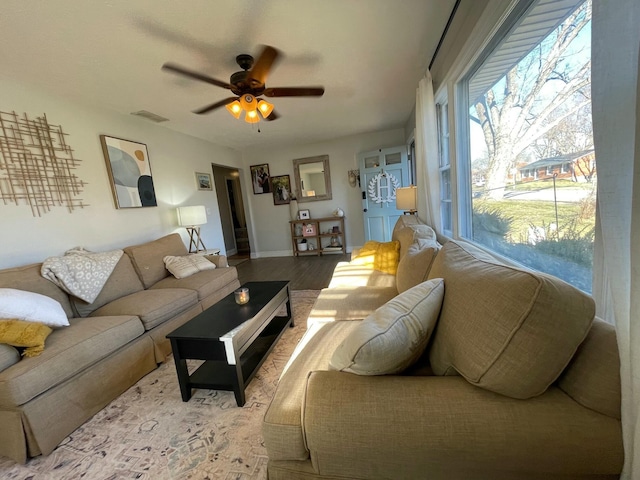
191,218
406,199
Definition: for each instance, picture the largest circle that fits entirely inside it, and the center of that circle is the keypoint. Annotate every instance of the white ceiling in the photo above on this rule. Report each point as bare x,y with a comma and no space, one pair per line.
368,54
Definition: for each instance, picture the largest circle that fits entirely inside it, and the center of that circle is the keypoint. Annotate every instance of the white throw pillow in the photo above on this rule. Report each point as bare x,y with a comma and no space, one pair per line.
394,336
32,307
186,265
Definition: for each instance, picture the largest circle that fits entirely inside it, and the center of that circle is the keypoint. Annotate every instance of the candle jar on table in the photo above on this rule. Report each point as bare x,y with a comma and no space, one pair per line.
242,296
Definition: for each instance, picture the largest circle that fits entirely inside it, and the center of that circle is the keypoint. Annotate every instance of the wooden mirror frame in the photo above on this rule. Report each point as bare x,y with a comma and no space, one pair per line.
327,178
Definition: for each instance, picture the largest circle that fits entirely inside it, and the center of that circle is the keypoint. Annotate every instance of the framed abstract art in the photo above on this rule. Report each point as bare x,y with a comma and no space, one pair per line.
129,172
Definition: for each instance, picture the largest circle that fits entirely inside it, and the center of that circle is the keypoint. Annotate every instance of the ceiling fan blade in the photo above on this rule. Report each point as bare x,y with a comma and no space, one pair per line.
294,92
262,65
213,106
195,75
272,116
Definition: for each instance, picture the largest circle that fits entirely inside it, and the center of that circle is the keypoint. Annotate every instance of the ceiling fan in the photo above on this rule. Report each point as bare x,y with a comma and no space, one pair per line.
248,85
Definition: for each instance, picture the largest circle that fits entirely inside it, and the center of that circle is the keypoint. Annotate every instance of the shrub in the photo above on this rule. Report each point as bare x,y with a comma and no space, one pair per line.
491,221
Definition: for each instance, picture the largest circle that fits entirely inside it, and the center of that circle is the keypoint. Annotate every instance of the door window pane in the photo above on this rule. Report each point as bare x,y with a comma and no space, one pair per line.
393,158
372,162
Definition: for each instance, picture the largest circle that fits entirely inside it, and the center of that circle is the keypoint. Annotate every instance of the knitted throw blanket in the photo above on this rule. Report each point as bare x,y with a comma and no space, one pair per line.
80,272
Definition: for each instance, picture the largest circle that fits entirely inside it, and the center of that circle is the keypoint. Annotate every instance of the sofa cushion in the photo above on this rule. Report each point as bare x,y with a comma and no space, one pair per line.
184,266
348,303
414,266
123,281
31,307
593,377
282,427
405,221
28,278
205,283
148,258
29,335
153,307
347,274
393,337
408,235
8,356
68,352
505,329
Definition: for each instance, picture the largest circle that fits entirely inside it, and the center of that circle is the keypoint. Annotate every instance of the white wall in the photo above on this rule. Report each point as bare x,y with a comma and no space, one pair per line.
269,232
174,159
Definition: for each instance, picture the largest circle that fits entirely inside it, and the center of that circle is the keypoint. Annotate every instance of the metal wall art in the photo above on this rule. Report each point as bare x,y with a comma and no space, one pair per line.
36,165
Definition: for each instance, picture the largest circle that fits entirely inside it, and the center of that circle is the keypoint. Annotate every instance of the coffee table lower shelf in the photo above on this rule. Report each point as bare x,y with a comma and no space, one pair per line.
219,375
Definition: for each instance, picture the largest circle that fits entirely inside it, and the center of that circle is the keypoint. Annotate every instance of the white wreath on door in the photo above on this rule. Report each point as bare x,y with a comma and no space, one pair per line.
375,192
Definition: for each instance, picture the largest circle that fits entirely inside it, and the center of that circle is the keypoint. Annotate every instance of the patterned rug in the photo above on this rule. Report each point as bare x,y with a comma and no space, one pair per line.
150,433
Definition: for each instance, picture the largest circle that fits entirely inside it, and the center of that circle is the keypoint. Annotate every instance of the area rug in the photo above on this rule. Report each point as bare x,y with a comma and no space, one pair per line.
150,433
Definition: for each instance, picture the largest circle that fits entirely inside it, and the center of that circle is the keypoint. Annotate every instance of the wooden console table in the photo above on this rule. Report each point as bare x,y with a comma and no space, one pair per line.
327,235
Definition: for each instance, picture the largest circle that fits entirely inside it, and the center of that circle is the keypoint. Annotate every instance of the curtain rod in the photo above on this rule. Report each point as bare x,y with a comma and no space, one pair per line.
444,33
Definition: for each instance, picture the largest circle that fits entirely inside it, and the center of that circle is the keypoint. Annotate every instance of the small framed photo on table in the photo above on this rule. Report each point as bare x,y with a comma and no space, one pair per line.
304,214
309,230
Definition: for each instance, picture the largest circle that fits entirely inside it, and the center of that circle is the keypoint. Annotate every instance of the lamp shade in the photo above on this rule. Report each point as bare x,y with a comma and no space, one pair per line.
192,215
265,108
251,117
406,198
234,108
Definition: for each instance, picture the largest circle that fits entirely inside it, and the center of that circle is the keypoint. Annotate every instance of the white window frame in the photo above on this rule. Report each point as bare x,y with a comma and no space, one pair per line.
444,165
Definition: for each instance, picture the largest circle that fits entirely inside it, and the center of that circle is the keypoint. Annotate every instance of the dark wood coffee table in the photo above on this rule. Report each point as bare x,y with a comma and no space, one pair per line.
233,339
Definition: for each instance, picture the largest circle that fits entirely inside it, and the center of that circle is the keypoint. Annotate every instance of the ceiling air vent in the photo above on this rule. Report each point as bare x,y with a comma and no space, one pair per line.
150,116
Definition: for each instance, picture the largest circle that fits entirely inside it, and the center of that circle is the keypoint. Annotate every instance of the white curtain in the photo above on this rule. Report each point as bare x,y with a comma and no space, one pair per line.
427,165
616,113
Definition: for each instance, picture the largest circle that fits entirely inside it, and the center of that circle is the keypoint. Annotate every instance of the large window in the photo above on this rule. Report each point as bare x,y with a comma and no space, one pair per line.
531,167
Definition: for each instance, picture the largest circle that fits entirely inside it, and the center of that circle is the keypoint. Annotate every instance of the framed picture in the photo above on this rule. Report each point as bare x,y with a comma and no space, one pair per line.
260,178
281,186
204,181
309,230
129,172
304,214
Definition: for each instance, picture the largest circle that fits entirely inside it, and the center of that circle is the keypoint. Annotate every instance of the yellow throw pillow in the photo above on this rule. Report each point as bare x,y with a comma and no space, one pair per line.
381,256
20,333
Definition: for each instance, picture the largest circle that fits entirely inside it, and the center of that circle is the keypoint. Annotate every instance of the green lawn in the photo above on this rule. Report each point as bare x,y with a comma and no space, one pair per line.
524,213
542,184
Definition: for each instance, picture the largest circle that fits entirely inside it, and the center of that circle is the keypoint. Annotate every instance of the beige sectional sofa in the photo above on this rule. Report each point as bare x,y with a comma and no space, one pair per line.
109,345
518,381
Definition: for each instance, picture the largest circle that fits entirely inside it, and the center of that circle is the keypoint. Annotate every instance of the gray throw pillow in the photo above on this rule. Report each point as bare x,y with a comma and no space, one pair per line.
394,336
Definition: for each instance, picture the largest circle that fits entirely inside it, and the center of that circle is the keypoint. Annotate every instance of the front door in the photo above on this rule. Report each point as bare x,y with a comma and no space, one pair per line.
381,172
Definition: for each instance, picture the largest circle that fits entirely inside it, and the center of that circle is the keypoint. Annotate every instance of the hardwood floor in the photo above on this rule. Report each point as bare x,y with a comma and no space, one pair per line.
304,272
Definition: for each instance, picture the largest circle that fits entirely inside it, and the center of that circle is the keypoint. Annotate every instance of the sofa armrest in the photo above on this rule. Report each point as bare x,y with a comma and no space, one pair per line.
219,261
354,253
402,427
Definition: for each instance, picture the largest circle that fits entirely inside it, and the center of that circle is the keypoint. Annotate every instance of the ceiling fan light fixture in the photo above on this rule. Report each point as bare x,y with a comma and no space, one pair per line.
248,102
234,108
265,108
251,117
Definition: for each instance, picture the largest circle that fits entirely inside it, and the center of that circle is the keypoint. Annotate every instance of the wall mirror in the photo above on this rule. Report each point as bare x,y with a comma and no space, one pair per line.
313,178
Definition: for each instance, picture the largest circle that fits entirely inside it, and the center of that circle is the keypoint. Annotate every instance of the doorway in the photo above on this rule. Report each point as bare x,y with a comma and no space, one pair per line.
232,213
